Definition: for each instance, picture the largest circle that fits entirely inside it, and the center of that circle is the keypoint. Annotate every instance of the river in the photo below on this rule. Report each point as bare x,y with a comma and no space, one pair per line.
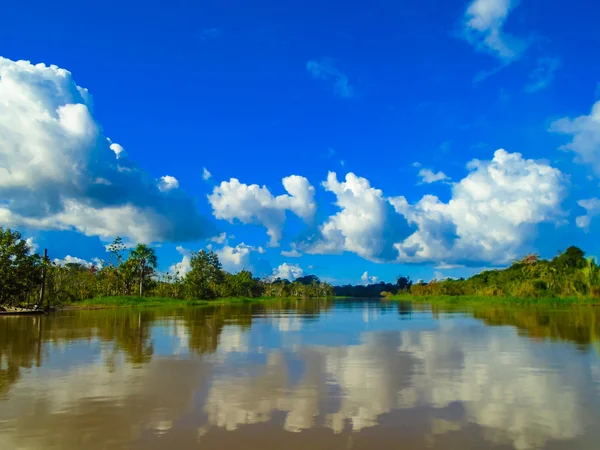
318,375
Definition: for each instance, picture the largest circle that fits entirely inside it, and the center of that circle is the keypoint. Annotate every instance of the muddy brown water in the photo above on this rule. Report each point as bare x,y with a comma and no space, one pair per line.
318,375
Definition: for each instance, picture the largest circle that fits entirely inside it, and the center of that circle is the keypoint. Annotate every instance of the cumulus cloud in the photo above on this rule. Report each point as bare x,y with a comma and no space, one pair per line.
58,170
243,257
367,279
543,74
483,27
233,259
167,183
206,174
181,268
366,225
428,176
252,204
585,134
324,70
592,207
288,272
33,247
491,216
96,262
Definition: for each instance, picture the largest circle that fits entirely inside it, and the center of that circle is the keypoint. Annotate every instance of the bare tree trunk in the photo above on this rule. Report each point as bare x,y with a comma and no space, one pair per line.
142,270
43,287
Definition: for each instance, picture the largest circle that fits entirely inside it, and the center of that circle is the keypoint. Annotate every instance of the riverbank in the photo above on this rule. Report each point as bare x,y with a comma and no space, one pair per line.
154,302
483,300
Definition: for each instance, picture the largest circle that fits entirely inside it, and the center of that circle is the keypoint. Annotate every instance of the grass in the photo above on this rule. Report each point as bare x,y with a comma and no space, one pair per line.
489,300
152,302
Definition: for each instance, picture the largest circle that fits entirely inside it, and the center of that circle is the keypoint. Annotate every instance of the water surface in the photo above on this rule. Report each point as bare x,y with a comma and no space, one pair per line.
302,374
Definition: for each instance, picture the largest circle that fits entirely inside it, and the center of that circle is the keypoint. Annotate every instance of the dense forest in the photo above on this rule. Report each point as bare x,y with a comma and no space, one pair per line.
26,277
132,272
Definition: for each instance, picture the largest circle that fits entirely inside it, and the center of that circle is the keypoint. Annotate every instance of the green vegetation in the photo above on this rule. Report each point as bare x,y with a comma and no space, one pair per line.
569,277
19,271
134,302
475,300
130,278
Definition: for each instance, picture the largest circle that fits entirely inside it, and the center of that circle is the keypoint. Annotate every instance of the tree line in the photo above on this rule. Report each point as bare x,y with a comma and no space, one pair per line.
401,286
132,272
568,274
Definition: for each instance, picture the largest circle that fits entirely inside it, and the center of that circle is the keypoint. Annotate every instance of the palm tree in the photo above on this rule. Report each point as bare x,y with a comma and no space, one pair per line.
144,259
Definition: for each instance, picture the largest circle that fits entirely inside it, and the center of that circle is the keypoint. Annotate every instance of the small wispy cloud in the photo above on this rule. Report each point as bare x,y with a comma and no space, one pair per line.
324,70
292,253
543,74
428,176
206,174
483,27
444,265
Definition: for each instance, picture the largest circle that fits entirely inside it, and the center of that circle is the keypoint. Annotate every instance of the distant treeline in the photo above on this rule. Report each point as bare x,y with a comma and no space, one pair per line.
568,274
132,273
402,285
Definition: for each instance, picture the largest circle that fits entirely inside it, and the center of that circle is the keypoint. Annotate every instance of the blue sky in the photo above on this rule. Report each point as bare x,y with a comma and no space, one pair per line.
260,91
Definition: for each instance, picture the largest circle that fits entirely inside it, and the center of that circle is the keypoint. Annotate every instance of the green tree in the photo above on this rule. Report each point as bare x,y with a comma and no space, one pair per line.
205,276
19,271
242,284
572,258
145,262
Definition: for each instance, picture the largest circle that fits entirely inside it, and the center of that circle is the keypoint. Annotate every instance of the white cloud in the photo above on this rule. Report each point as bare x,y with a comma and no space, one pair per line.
53,154
118,149
428,176
491,216
366,224
219,239
288,272
585,133
206,174
33,247
439,276
96,262
292,253
243,257
181,268
367,279
543,74
167,183
592,207
326,71
483,27
252,204
444,265
233,259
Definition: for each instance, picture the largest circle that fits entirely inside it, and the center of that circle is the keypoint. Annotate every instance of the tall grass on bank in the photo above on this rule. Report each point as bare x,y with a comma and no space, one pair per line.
490,300
145,302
